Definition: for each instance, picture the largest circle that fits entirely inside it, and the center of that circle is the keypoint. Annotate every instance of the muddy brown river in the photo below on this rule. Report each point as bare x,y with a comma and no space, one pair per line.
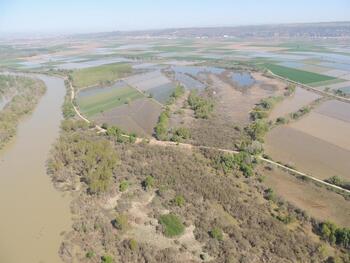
33,213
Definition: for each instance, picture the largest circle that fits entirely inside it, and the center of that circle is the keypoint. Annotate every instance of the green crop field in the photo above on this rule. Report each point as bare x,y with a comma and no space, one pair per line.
297,75
94,104
100,75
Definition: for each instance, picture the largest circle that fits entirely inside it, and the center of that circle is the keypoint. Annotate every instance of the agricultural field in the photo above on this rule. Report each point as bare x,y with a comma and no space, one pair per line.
299,99
100,75
317,144
301,76
105,99
140,116
319,202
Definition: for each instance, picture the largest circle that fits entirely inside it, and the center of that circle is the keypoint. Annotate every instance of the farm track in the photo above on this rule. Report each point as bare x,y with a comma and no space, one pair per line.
190,146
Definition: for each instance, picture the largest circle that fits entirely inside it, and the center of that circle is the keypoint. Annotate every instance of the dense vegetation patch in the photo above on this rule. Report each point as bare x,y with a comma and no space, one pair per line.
74,156
334,234
202,107
262,109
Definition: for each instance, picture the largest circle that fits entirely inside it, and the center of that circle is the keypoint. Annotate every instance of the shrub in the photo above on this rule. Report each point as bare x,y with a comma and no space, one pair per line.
336,180
107,259
216,233
300,113
161,130
257,130
281,120
179,200
180,134
133,244
90,254
132,138
123,186
178,92
287,219
172,225
148,182
270,195
261,110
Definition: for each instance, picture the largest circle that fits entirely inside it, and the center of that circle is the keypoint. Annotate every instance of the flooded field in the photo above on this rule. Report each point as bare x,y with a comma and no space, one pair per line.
189,82
236,104
292,104
148,80
33,213
139,116
162,93
243,79
317,201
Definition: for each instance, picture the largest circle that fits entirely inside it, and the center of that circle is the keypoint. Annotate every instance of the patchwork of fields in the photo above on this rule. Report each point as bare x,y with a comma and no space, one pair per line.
317,144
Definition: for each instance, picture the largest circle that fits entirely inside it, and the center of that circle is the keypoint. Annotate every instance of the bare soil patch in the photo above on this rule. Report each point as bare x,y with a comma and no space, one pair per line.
317,201
307,153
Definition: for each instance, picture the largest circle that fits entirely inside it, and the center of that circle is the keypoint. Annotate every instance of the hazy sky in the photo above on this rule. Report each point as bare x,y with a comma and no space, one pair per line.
71,16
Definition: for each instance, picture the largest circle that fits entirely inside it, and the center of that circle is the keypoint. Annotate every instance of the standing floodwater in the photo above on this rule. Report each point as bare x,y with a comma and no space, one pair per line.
33,213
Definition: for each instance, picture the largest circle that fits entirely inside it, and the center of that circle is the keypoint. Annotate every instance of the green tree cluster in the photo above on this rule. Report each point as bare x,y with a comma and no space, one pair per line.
161,130
202,107
334,234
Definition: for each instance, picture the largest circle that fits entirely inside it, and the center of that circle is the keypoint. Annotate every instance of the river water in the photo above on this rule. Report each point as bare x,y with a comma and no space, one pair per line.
33,214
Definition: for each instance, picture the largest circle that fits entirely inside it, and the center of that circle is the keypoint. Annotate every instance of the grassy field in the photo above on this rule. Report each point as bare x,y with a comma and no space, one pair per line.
100,75
92,105
301,76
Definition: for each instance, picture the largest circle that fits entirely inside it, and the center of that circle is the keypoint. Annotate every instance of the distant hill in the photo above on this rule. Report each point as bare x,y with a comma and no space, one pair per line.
302,30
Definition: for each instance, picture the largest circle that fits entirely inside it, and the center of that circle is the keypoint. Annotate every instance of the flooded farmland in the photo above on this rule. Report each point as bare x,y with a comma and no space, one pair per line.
33,212
138,116
243,79
301,98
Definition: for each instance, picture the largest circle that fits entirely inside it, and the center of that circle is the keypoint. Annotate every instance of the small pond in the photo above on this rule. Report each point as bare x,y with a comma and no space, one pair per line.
243,79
